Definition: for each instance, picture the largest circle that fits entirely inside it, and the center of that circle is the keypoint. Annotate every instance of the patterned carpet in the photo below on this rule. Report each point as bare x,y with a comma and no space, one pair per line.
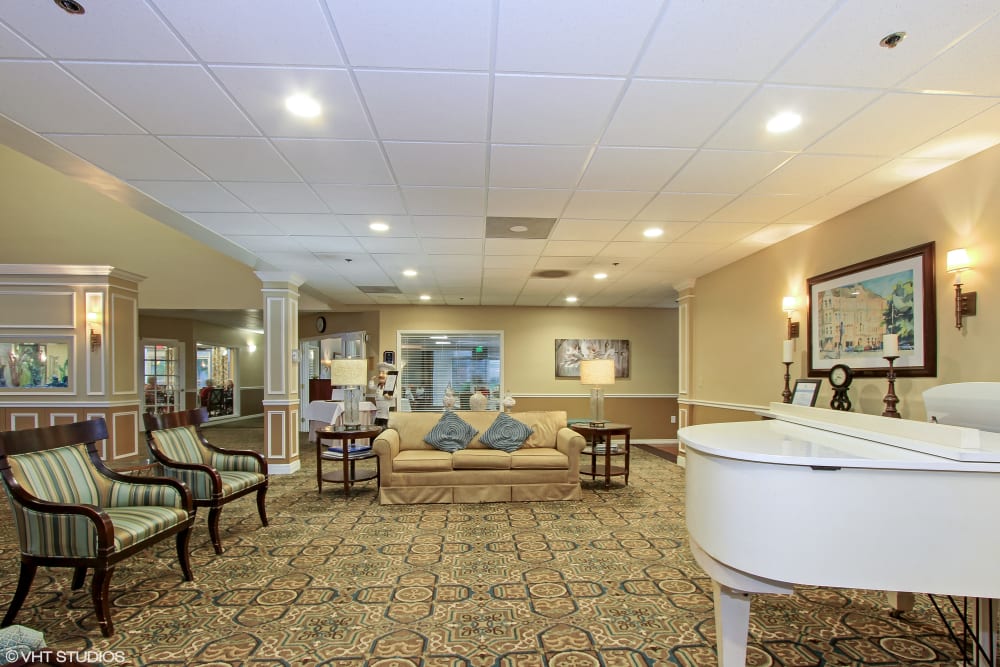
606,581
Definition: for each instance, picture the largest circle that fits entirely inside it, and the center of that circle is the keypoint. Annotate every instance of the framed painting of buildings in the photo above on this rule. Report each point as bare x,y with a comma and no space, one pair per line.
571,351
850,309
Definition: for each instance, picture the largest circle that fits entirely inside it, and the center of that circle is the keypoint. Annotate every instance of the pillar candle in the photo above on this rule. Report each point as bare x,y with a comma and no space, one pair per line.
787,351
890,345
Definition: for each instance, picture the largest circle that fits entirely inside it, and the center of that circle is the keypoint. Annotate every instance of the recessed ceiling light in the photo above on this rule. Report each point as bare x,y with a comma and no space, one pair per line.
784,122
425,297
71,6
519,229
378,227
571,299
303,105
409,273
892,40
653,232
600,276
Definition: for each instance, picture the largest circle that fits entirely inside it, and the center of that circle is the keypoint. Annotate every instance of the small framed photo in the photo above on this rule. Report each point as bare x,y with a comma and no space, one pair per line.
390,382
805,392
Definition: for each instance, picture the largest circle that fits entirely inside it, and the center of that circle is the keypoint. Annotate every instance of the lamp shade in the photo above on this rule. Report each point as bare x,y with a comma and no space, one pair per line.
597,371
958,260
348,372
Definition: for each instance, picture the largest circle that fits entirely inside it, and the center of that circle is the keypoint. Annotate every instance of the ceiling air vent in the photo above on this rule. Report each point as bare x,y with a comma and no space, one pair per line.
518,228
551,273
379,289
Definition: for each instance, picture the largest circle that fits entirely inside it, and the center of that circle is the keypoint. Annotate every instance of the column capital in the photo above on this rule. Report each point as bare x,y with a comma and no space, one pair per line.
279,280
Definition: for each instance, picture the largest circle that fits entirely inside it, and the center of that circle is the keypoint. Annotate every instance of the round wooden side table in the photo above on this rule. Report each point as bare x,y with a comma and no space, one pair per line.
346,437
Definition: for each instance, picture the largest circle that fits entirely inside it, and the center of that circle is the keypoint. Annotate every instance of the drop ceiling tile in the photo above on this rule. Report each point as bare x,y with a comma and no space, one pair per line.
360,225
573,248
708,40
965,139
234,159
720,232
531,247
671,231
815,174
775,233
329,244
760,208
330,161
914,119
149,94
732,171
373,244
681,255
427,106
12,46
261,91
445,164
445,201
266,243
645,169
277,197
130,156
679,114
298,34
529,203
631,249
516,264
192,196
519,166
839,54
606,204
684,206
452,246
251,224
822,109
361,200
960,68
304,224
552,109
449,226
593,36
572,229
426,35
115,30
37,95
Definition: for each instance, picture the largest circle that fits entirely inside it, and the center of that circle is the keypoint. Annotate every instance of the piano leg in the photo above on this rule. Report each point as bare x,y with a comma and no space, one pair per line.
900,601
732,623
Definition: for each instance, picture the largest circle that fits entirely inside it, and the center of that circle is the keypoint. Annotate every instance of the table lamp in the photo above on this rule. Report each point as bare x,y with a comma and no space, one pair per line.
597,372
352,375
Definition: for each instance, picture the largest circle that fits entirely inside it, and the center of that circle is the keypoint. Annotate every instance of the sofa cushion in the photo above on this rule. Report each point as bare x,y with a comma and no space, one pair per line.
451,433
539,458
422,460
506,433
480,459
545,426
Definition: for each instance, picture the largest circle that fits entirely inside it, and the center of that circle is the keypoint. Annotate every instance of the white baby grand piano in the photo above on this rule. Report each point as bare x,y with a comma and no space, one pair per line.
846,500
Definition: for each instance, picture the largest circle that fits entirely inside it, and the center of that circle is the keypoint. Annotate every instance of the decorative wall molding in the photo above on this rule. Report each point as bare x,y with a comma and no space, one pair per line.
725,406
607,396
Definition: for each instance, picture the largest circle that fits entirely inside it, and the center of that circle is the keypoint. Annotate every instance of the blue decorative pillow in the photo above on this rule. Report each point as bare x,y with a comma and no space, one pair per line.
451,433
506,433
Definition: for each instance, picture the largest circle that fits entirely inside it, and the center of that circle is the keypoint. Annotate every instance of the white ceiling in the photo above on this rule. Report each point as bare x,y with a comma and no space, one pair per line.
611,117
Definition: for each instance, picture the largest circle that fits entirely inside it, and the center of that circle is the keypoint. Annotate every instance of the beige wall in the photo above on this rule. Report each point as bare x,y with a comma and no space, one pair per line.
738,324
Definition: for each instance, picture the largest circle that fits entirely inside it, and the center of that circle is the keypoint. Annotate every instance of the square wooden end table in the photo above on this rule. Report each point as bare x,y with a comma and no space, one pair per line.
348,475
602,434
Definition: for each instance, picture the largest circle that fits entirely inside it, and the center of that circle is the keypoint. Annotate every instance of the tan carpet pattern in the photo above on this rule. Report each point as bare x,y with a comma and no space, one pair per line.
606,581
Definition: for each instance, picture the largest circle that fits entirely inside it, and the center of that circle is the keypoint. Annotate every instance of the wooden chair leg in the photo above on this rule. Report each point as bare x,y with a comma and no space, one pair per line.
183,556
261,492
213,528
79,574
100,587
21,593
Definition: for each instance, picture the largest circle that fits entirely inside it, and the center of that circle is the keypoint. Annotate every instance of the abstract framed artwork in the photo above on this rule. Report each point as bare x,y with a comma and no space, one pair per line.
571,351
851,308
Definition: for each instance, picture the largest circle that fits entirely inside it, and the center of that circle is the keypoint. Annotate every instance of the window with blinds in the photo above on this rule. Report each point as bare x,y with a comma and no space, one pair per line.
468,361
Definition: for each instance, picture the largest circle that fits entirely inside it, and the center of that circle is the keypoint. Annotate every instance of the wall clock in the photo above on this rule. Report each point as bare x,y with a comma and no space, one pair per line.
320,324
840,379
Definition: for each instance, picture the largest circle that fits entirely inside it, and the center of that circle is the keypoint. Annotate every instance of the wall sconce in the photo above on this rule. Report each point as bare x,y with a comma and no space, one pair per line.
965,304
789,304
251,347
94,319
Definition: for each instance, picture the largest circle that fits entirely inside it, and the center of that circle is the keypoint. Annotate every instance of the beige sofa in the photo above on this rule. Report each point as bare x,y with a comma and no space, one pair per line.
546,467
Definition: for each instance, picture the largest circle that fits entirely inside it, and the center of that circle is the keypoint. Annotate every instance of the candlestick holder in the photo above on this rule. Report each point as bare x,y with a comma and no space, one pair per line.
786,395
891,399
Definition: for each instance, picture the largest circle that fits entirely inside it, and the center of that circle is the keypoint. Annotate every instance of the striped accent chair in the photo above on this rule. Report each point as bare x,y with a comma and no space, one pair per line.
70,510
215,476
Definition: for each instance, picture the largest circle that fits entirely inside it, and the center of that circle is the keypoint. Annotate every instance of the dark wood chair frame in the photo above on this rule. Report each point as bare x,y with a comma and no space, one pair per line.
196,418
89,432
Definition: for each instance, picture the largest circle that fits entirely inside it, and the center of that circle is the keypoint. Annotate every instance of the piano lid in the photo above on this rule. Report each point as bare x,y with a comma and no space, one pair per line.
970,404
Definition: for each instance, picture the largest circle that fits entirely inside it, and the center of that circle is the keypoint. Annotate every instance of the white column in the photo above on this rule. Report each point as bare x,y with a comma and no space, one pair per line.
685,301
